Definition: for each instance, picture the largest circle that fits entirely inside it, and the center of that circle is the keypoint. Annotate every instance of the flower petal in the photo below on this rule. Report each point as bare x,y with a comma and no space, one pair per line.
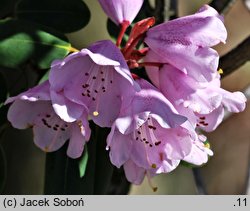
76,142
234,101
67,110
106,53
134,174
203,28
185,43
120,148
175,84
199,154
20,114
121,10
212,119
50,139
199,63
39,92
67,70
150,99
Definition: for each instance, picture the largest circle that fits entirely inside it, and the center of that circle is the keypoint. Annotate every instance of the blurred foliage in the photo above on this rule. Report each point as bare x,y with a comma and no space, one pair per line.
63,15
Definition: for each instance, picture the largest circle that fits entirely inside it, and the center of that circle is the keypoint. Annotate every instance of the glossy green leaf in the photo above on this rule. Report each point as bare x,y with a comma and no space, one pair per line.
22,42
63,15
83,162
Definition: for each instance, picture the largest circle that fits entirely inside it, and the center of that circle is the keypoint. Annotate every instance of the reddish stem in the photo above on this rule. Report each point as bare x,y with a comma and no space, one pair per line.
124,25
131,47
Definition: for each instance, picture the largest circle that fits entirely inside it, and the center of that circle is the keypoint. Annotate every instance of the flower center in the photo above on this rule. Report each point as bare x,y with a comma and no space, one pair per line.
98,80
145,134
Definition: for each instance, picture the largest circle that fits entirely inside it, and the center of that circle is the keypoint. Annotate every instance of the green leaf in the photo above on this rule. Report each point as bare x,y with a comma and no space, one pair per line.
22,42
83,162
63,15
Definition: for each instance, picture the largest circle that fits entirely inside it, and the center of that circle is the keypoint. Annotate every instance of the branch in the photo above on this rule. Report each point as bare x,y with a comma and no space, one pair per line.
236,57
221,5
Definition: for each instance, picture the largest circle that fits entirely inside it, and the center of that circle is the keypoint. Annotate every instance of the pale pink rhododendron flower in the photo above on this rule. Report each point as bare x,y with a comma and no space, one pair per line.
97,78
206,101
185,43
33,109
148,132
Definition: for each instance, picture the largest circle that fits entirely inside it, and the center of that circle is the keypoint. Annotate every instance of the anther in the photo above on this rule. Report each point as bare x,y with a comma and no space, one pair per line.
95,113
154,166
157,143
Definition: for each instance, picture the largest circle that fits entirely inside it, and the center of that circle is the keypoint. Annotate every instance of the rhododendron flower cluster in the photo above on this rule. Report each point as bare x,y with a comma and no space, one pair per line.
154,125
